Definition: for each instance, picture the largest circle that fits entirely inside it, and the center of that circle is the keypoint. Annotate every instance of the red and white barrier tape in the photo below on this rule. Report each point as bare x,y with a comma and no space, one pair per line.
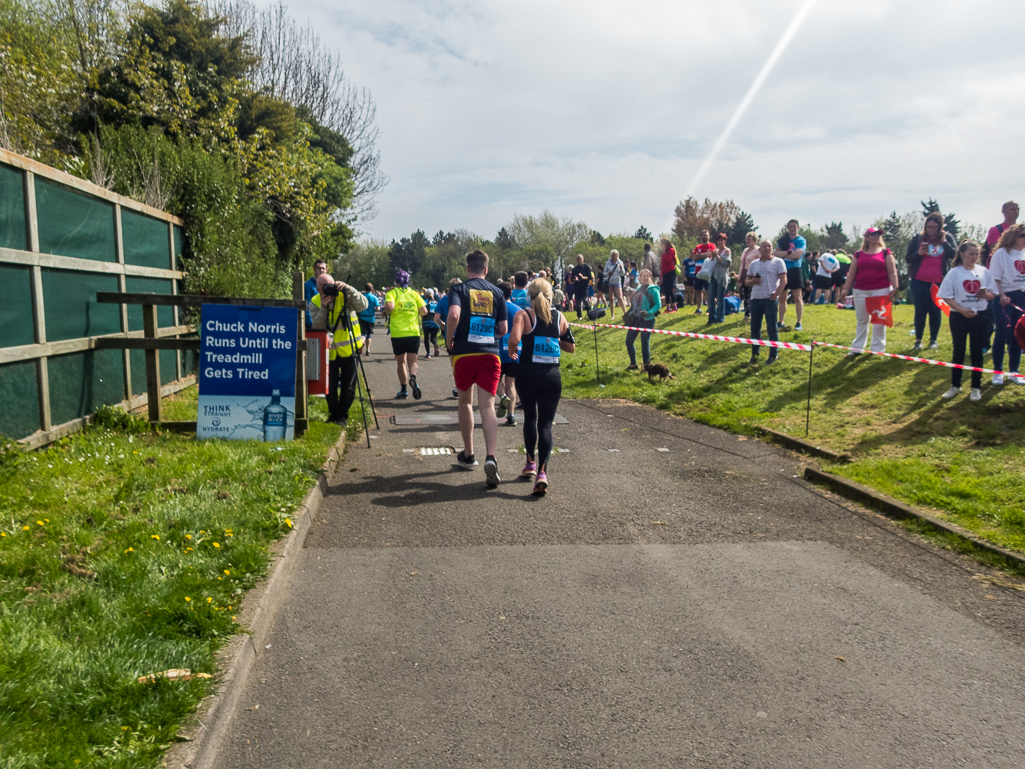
789,345
716,337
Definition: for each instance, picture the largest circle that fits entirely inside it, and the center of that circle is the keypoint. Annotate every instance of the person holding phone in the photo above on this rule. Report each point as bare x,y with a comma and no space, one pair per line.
968,288
928,258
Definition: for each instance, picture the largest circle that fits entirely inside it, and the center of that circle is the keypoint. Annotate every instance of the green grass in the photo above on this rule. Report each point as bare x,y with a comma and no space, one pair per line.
125,553
964,461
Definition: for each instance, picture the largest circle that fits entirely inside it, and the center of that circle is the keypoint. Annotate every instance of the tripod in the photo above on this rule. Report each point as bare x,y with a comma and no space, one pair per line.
343,316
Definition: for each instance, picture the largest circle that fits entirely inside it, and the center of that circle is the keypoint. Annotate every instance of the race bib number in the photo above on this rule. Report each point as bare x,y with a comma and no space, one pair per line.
546,349
482,330
503,345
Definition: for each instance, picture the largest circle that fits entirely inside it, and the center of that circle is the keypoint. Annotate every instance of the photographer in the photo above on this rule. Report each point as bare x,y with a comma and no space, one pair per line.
337,304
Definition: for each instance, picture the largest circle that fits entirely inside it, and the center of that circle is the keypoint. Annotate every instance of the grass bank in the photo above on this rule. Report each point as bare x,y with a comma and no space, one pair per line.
125,553
963,461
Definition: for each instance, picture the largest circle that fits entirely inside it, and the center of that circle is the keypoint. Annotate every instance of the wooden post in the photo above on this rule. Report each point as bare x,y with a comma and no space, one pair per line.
38,311
149,322
301,395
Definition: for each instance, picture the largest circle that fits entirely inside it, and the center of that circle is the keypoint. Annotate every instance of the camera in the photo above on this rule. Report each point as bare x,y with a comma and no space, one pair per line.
330,289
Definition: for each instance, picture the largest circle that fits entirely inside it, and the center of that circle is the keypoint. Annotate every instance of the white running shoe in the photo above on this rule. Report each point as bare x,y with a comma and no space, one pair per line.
1017,378
998,379
952,392
976,395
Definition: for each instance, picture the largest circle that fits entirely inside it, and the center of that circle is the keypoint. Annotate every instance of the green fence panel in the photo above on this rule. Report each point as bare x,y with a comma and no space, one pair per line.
71,310
19,399
15,306
74,224
144,240
13,230
83,381
165,318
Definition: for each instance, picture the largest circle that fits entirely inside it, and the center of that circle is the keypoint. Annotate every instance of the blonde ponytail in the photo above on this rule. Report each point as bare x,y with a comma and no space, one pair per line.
541,297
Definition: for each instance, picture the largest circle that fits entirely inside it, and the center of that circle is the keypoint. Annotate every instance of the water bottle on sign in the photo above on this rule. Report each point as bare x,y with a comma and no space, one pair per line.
275,418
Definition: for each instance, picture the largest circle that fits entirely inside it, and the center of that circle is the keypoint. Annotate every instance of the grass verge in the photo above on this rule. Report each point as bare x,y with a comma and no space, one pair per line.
963,461
124,553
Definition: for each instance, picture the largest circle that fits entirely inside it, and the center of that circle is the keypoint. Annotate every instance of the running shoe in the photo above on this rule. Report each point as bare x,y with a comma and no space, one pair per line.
797,327
632,367
772,359
491,472
427,357
976,395
782,327
951,393
503,406
529,469
465,461
998,379
540,484
697,311
934,345
455,393
1017,378
402,395
917,345
417,392
510,421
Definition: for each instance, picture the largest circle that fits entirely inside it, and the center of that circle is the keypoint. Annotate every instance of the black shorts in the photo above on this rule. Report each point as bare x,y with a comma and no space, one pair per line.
509,368
405,345
688,281
794,278
824,282
700,285
840,277
366,327
669,286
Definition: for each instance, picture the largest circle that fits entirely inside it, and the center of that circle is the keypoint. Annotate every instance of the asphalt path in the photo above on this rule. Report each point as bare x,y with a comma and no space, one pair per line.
680,598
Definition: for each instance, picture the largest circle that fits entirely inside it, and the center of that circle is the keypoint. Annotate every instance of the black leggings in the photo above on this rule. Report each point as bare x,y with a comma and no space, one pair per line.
971,333
539,392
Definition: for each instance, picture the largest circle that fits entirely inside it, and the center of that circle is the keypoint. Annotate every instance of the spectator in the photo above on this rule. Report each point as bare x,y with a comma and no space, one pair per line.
613,275
746,258
368,316
340,307
1008,270
928,258
790,248
767,277
720,278
701,251
650,262
646,303
310,289
823,280
873,274
582,277
967,288
669,265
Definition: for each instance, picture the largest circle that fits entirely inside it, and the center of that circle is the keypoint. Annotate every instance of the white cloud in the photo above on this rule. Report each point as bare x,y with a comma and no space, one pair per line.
604,111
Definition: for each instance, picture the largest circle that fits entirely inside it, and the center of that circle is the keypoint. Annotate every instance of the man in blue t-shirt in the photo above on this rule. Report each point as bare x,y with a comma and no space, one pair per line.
367,317
519,292
790,248
310,289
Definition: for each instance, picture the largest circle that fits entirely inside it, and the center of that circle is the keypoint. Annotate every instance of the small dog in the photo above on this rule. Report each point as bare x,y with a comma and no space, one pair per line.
659,370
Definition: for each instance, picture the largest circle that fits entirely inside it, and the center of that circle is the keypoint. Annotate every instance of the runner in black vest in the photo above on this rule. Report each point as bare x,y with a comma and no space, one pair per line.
544,333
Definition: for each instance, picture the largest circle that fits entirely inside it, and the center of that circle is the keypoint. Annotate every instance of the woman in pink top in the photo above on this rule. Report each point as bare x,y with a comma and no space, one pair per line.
749,255
928,258
873,274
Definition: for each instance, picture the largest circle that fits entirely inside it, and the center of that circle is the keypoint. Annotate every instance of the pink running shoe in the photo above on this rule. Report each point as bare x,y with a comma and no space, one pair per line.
529,469
541,484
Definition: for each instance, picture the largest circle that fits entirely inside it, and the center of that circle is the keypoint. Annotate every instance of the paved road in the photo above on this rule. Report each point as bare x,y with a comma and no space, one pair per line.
680,598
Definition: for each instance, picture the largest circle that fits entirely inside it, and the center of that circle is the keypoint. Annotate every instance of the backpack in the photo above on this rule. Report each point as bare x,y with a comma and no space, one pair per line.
1019,332
987,248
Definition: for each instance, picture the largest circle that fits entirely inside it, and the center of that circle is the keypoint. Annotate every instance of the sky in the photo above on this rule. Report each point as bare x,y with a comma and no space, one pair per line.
604,111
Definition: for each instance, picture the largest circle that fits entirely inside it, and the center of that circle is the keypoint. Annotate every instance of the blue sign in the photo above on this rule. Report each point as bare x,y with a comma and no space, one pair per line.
247,373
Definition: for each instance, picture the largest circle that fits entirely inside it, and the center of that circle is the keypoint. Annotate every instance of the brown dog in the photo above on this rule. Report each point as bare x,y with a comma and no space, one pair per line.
659,370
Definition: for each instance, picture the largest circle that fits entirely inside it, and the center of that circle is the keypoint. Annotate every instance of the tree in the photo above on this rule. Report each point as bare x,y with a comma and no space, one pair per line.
443,237
293,66
642,233
742,225
691,217
504,240
548,234
408,254
950,221
834,237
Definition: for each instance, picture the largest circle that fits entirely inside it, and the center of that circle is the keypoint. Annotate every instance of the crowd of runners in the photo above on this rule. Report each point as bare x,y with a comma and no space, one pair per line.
506,340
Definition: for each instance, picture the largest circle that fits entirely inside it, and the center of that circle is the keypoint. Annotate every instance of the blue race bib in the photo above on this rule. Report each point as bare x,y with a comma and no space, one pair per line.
482,330
546,349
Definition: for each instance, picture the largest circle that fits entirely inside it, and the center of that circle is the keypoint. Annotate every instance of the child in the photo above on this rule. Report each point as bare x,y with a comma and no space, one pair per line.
968,288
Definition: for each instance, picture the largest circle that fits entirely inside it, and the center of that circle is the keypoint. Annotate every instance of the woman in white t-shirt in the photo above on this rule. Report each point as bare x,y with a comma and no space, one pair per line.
967,288
1008,269
614,273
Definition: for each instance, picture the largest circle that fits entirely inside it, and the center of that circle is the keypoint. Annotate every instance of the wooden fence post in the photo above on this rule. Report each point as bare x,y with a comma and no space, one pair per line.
149,324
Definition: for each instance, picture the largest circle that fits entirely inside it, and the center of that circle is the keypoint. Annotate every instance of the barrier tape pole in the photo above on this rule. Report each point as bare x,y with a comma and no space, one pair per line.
807,418
597,366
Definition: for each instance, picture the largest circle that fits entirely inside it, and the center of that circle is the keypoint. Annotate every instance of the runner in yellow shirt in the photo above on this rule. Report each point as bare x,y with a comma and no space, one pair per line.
404,307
